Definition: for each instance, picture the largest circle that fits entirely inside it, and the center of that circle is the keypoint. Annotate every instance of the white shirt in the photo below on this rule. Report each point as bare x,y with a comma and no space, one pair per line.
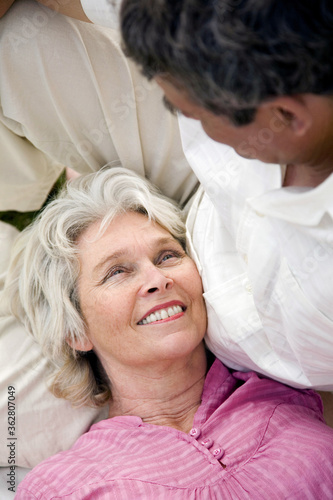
265,254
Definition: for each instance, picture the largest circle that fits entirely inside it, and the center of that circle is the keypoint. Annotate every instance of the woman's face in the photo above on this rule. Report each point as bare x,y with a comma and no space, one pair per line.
140,294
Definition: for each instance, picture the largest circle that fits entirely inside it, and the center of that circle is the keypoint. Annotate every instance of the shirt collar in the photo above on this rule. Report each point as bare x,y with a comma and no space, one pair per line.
304,206
212,162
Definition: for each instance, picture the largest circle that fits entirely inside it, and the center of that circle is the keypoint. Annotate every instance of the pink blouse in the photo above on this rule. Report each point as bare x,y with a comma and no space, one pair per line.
252,438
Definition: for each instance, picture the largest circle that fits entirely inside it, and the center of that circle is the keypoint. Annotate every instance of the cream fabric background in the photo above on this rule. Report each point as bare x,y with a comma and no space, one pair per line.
68,98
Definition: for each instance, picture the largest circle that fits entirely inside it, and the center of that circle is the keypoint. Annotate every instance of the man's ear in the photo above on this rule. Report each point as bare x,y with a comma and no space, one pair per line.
80,344
293,112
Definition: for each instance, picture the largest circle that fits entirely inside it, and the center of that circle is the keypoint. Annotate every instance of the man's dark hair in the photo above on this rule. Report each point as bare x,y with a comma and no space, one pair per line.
230,55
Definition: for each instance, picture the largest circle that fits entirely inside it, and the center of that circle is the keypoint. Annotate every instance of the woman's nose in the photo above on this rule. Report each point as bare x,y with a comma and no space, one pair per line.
154,281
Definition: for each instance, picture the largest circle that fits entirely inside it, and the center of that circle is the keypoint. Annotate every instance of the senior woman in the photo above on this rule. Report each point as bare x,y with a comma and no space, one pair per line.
103,282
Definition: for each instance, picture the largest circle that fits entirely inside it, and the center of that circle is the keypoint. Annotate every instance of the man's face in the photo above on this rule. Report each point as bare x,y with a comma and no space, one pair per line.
268,138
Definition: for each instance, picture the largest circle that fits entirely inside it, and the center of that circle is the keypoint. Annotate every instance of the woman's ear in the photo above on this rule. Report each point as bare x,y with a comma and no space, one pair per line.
80,344
293,111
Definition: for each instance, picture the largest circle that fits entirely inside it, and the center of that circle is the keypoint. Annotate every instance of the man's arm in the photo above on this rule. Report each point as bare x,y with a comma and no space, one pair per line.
4,6
71,8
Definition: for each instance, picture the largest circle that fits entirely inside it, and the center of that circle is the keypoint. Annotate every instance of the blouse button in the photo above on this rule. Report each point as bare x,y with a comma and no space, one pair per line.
207,443
195,432
218,453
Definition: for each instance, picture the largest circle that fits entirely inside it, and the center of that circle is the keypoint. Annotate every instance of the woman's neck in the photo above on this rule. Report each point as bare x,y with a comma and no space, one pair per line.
168,394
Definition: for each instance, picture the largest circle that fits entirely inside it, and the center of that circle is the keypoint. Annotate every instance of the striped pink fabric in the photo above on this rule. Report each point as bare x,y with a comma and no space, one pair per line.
251,438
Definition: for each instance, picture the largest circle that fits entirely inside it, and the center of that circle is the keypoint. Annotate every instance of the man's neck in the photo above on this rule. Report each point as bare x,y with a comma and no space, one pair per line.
305,176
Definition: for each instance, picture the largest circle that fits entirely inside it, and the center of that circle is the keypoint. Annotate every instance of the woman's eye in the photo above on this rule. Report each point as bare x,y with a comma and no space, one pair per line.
113,272
170,255
117,271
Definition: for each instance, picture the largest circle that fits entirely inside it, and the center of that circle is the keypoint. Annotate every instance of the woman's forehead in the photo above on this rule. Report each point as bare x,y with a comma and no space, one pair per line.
122,233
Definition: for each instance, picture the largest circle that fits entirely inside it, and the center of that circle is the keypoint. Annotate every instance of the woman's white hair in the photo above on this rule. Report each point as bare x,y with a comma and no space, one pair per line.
41,284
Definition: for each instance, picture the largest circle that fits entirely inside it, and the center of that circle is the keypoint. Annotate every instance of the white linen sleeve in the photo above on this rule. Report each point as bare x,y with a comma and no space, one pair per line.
102,12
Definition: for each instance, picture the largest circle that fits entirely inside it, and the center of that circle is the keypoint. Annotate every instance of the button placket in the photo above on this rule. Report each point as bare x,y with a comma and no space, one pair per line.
217,451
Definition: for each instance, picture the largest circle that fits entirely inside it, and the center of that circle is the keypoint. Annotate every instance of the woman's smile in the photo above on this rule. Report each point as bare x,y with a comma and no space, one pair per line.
164,312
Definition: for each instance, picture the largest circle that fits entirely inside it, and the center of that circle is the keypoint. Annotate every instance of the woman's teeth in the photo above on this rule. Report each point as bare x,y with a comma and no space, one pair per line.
161,314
